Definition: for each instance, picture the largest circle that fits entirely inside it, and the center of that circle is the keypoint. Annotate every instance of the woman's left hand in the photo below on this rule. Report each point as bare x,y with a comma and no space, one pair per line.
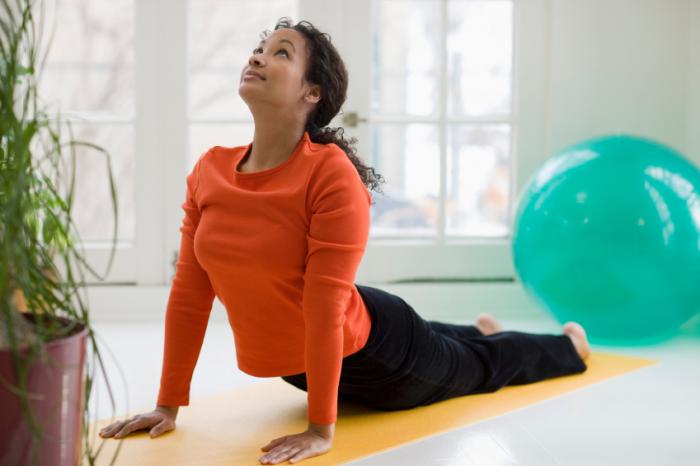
296,447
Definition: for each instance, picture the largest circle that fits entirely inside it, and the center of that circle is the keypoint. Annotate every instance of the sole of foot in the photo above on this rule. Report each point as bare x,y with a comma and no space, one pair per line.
487,324
578,336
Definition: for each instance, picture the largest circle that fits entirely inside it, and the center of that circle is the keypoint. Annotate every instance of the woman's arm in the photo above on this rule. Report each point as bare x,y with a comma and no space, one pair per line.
188,309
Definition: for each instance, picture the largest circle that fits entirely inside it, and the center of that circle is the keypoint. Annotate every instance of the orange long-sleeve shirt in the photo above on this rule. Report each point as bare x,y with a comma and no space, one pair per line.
279,248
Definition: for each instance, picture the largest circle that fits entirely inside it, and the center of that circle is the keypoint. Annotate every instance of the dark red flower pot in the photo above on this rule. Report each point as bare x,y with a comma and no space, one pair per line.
56,397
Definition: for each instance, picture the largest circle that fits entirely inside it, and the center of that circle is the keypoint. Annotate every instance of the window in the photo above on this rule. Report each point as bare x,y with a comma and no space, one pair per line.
437,121
88,78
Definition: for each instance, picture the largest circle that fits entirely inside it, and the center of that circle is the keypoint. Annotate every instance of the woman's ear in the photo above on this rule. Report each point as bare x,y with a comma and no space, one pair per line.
314,94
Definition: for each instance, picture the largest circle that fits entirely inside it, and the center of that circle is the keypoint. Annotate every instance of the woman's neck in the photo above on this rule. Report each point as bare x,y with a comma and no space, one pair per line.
273,144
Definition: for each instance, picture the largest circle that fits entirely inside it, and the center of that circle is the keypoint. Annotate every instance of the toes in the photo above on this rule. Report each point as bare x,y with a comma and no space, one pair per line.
571,326
577,333
574,327
488,322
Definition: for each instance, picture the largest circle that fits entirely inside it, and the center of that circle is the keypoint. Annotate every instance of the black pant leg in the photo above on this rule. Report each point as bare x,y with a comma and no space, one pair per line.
517,358
455,330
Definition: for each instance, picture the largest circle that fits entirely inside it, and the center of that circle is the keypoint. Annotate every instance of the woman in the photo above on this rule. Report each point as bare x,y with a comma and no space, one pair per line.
276,230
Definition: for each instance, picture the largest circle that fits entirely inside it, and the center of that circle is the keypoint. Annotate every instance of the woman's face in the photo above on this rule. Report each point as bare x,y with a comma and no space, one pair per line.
281,61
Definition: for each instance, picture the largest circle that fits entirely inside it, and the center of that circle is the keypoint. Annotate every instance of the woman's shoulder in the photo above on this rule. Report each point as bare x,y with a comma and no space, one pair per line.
228,150
330,147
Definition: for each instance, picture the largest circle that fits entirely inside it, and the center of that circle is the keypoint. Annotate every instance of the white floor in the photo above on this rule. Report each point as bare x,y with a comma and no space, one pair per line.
648,417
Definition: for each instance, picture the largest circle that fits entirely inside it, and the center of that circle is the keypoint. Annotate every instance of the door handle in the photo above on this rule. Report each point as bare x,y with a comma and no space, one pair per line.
351,119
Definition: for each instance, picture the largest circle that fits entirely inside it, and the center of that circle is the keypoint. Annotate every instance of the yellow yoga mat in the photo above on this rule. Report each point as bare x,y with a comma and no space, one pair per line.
230,428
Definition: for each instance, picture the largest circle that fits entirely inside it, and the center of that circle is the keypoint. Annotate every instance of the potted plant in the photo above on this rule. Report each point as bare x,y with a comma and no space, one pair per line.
44,324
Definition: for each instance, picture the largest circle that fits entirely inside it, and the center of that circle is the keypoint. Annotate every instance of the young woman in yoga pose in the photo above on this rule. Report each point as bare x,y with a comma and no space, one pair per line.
276,229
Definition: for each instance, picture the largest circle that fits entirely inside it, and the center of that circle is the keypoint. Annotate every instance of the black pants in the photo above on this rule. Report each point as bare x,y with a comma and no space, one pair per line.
409,362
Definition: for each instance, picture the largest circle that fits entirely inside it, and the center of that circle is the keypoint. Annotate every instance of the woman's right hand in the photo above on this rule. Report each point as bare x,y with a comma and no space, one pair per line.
160,420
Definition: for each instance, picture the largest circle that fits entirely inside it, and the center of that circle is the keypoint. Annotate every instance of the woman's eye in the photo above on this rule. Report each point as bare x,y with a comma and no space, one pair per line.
260,50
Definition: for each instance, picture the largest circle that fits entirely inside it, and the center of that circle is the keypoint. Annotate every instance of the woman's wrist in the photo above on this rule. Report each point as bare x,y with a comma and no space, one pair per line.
172,410
324,430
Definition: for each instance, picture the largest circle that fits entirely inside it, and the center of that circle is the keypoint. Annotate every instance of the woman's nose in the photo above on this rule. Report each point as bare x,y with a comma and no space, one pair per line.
254,59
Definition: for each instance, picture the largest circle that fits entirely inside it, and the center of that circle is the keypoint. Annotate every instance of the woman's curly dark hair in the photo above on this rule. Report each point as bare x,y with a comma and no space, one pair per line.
327,69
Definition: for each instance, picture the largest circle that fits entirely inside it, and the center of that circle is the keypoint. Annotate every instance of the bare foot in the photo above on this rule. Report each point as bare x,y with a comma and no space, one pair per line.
487,324
578,336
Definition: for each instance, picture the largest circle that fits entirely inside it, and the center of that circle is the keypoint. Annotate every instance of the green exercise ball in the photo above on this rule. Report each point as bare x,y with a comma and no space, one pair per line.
607,233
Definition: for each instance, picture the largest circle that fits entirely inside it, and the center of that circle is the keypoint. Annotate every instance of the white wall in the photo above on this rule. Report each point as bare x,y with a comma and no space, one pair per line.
621,66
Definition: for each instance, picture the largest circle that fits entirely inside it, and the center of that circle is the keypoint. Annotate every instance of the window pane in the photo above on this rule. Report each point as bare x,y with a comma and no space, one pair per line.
405,62
90,62
90,68
93,212
407,156
478,185
479,50
221,37
205,136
